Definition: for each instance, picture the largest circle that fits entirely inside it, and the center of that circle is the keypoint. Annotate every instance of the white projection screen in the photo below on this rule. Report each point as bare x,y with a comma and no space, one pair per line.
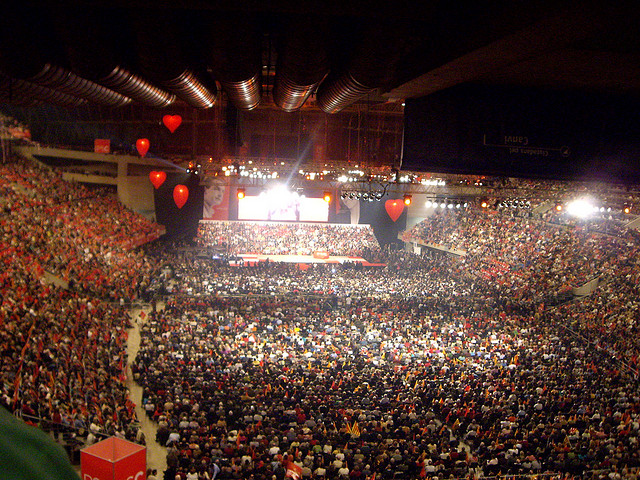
283,206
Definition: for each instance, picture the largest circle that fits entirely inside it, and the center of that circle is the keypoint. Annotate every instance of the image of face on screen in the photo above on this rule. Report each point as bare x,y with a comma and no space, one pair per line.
214,190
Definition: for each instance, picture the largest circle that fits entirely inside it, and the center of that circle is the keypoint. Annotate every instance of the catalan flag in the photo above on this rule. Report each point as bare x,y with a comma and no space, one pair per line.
355,430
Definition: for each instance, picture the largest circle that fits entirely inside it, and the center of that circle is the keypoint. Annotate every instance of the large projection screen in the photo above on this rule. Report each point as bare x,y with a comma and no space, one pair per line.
283,207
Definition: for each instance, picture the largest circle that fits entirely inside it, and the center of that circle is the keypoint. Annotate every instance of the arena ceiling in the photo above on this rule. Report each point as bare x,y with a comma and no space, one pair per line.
323,56
338,52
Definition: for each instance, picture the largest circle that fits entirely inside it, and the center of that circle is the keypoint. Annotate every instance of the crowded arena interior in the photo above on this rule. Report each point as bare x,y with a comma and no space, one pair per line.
272,242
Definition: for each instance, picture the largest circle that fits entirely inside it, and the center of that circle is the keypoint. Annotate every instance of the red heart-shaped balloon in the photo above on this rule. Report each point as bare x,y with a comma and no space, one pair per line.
157,178
172,122
180,195
142,144
394,208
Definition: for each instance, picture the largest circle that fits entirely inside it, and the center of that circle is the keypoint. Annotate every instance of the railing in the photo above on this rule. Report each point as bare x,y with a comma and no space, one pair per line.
50,426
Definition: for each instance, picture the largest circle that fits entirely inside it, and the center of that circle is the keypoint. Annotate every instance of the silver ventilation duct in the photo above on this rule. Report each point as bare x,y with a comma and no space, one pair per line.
123,81
21,91
171,70
302,65
341,93
374,61
190,89
234,59
61,79
244,94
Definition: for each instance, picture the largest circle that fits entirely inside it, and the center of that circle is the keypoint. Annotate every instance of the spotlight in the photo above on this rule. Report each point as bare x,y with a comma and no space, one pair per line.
580,208
450,205
627,208
240,193
407,200
443,205
326,196
484,204
558,207
428,204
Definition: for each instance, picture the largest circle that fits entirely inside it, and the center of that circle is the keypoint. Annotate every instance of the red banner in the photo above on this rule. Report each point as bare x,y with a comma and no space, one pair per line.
102,145
293,471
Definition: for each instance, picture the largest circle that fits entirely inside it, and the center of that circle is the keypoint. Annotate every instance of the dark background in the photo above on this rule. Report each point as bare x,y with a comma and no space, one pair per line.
569,135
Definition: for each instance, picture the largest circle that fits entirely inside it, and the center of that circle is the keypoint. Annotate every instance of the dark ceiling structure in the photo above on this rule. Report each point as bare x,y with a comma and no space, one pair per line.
325,56
156,53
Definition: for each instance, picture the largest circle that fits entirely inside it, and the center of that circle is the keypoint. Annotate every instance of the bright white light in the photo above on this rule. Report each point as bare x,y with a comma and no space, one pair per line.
580,208
428,204
343,178
443,205
439,182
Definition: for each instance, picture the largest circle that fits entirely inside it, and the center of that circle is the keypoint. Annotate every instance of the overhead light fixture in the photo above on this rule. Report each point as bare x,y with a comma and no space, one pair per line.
407,200
627,208
240,193
326,196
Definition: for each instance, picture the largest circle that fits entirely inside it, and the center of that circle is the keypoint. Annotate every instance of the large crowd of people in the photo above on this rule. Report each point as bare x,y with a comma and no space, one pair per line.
67,267
527,256
433,366
273,238
441,384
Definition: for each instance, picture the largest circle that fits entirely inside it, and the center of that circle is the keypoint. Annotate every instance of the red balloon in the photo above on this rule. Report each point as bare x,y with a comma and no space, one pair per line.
172,122
157,178
180,195
142,144
394,208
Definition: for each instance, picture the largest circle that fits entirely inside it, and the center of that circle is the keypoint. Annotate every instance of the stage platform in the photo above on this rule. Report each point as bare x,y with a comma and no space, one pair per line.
252,258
